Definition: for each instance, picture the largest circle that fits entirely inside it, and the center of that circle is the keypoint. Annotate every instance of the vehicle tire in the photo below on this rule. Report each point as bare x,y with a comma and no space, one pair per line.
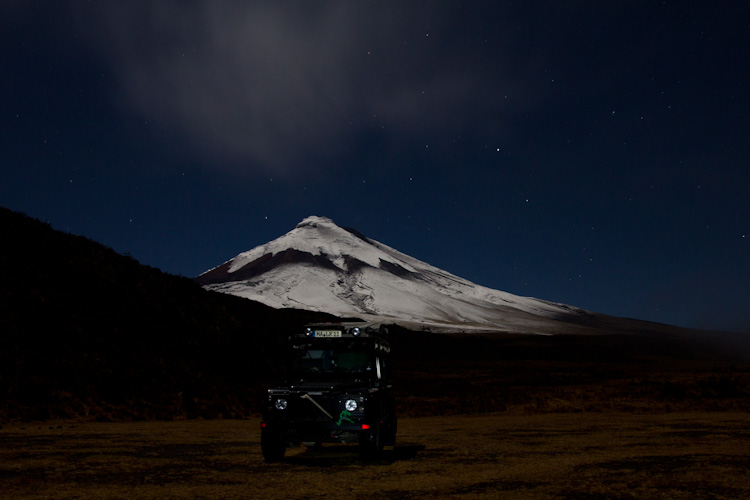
272,445
371,444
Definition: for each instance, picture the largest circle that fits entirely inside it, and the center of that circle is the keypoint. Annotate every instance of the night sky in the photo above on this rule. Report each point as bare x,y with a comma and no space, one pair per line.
590,153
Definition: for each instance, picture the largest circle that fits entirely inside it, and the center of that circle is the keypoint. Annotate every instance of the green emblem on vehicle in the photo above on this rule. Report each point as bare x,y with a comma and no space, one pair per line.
344,416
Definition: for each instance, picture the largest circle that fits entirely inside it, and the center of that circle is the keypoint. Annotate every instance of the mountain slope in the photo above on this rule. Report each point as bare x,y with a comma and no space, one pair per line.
320,266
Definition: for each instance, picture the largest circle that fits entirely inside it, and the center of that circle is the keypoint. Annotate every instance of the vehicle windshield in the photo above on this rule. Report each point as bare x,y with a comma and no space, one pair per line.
327,361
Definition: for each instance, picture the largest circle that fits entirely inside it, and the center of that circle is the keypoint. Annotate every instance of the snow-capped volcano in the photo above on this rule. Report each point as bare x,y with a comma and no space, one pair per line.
323,267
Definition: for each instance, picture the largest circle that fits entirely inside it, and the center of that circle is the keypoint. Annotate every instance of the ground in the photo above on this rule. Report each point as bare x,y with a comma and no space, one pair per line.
587,455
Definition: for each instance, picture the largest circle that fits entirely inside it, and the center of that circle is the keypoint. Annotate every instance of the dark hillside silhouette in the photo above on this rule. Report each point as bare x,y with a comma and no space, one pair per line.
86,331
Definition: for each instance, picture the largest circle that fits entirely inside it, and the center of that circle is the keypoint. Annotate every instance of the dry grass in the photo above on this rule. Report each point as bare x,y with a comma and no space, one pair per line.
582,456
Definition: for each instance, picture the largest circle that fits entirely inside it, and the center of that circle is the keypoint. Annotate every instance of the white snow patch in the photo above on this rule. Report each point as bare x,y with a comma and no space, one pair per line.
425,295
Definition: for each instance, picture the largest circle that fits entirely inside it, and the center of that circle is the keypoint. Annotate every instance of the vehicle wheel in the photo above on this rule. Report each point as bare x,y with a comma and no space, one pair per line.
371,444
272,445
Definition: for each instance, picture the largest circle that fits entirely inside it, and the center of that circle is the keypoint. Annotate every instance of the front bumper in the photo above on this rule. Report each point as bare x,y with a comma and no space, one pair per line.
317,431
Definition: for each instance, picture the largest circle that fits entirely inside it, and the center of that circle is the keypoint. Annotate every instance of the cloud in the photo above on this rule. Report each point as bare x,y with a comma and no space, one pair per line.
285,87
253,85
270,85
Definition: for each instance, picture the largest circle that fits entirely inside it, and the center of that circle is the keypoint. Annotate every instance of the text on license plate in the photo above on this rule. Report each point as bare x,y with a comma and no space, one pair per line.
327,333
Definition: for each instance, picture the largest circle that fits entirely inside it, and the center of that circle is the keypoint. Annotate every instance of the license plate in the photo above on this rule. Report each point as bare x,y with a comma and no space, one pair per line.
327,333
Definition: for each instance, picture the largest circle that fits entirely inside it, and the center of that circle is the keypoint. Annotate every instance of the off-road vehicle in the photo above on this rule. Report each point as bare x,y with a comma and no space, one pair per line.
338,390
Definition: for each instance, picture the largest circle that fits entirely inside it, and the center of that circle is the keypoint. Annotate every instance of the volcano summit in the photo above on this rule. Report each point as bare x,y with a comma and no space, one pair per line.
321,266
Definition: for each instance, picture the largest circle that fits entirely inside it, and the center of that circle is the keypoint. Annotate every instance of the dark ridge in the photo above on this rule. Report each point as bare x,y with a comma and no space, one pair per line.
87,332
354,265
357,234
261,265
395,269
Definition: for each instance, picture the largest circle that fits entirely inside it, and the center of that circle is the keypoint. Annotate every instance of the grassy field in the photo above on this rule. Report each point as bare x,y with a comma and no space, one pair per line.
611,455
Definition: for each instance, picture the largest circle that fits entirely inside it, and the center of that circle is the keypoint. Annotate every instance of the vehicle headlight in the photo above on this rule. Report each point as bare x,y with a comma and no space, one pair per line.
281,404
350,405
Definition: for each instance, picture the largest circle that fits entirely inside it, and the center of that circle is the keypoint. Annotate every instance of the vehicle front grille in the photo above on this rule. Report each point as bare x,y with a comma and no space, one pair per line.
301,408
